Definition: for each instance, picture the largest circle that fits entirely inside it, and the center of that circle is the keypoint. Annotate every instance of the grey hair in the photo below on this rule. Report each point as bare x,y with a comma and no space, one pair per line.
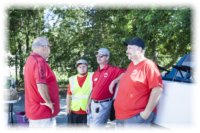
40,41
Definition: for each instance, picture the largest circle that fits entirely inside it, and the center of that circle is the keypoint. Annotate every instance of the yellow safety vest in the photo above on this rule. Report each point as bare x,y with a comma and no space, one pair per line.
80,95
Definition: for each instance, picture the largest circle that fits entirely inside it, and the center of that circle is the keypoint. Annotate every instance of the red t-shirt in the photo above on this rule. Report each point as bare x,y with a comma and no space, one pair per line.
135,87
36,71
101,80
81,80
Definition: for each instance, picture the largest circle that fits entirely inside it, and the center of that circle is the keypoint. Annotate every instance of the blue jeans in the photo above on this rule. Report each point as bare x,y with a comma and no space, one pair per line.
136,121
100,113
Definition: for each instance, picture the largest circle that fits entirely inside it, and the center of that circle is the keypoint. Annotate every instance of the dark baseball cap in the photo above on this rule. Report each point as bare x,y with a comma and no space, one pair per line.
135,41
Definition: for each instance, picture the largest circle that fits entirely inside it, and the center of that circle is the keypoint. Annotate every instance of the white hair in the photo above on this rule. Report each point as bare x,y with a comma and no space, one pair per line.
40,41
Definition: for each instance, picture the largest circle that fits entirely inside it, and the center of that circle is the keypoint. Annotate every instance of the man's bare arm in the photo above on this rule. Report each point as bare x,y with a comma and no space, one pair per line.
44,93
153,101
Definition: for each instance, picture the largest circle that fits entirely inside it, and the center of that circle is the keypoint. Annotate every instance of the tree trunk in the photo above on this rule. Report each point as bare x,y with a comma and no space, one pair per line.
27,42
21,63
16,71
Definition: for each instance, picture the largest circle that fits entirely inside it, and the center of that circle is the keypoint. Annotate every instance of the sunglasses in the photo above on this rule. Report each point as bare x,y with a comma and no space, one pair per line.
100,56
49,46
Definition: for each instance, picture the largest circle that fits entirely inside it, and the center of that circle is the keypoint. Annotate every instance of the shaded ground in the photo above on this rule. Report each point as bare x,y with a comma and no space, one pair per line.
61,119
19,107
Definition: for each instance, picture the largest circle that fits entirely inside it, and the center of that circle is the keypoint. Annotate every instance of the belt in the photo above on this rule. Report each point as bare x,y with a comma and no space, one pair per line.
101,101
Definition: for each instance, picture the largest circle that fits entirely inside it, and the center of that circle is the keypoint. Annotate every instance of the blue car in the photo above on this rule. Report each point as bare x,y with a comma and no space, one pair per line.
182,71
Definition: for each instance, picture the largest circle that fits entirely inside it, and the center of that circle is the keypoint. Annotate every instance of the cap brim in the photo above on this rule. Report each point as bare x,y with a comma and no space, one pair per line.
80,64
126,43
96,52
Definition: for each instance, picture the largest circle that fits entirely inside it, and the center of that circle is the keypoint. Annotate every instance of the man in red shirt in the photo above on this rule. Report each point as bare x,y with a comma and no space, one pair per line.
78,92
101,99
41,88
139,88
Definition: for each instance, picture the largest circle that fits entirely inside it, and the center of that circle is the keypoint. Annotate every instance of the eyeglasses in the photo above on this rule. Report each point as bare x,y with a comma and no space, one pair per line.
100,56
49,46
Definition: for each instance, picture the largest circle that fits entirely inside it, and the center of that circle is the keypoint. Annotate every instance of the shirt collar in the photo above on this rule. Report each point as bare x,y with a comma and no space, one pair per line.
104,68
36,54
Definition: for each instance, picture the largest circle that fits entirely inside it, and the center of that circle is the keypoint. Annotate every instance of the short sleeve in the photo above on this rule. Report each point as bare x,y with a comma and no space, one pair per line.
40,72
154,76
119,71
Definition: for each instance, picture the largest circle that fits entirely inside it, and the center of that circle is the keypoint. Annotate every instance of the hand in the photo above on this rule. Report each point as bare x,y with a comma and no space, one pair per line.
68,111
88,109
111,86
50,105
144,115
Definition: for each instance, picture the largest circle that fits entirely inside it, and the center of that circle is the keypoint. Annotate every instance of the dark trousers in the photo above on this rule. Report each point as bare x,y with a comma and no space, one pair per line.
74,119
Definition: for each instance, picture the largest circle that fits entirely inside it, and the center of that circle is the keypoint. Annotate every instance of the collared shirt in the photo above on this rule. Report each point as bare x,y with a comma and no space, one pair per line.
37,71
135,87
102,79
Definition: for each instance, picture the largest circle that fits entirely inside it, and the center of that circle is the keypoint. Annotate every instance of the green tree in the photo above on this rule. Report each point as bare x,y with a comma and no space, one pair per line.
77,32
24,25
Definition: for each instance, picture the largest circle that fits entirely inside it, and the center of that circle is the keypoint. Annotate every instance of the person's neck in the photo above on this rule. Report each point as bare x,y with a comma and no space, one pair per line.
138,60
82,75
39,53
101,66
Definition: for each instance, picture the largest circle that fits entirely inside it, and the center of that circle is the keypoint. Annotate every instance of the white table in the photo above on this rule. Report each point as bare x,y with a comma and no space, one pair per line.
10,108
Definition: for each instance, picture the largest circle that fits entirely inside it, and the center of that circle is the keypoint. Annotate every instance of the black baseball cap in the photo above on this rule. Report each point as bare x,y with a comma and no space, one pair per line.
135,41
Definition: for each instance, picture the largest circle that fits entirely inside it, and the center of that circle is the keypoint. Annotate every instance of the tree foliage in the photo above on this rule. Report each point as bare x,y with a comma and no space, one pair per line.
24,25
79,31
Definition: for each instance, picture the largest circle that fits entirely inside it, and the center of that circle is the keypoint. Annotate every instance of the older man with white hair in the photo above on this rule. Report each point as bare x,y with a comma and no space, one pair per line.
41,88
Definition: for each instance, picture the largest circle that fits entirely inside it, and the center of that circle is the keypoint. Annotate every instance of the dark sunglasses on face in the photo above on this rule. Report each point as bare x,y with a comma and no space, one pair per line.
100,56
49,46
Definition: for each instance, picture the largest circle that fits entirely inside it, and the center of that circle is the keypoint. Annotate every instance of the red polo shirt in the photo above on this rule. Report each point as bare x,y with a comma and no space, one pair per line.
135,87
101,81
37,71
